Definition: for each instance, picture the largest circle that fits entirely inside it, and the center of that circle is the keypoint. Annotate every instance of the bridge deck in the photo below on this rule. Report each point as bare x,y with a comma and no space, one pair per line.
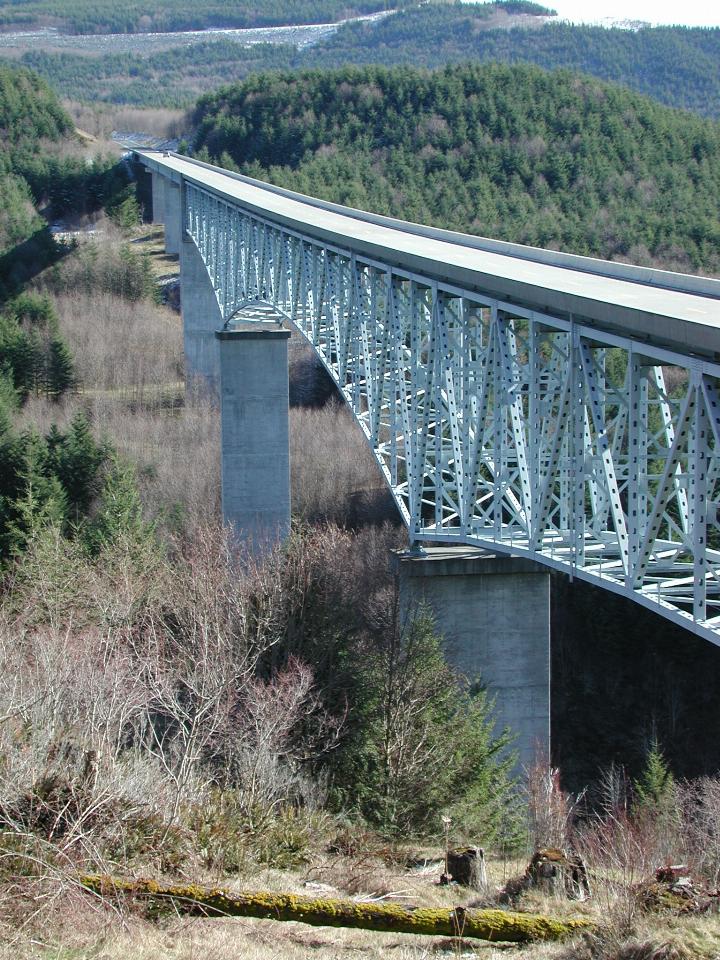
665,309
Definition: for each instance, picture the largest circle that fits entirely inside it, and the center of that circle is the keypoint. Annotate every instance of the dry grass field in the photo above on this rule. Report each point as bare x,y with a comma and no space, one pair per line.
77,927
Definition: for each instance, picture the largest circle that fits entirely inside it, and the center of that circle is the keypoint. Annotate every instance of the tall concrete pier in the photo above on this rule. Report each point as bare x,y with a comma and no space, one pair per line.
202,318
201,312
158,197
255,444
494,612
173,212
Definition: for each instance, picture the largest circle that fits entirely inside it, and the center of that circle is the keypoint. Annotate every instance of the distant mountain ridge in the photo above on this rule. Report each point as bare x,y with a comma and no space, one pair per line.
679,66
143,16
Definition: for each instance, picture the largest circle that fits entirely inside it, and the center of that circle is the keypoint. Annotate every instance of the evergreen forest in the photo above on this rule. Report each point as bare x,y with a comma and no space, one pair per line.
678,66
104,16
43,167
510,152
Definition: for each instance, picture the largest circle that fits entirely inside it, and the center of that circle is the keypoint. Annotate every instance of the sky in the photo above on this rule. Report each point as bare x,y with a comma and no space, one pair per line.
696,13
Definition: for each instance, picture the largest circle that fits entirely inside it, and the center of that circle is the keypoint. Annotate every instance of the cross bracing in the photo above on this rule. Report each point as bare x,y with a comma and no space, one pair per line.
497,424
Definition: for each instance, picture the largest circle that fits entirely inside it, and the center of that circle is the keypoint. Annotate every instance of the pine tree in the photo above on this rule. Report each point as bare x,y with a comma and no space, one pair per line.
42,502
654,788
9,402
430,745
60,373
120,514
77,459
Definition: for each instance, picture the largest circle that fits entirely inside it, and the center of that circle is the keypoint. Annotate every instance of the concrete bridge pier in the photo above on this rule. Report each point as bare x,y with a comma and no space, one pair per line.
158,197
173,211
254,413
494,612
202,318
167,209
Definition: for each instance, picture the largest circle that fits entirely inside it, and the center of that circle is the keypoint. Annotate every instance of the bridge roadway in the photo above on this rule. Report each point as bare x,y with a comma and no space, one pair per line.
525,401
665,308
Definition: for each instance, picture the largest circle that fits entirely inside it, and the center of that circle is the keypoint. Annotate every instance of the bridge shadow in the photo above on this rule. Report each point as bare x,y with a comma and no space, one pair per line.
623,676
25,261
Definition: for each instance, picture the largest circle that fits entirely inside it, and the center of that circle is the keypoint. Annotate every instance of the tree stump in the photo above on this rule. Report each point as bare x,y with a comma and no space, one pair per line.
467,867
556,873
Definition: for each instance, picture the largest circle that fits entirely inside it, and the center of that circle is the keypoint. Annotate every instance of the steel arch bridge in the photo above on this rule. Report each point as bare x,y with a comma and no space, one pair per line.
518,400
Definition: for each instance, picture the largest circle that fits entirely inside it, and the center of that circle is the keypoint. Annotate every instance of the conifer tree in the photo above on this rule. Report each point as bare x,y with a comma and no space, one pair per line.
42,501
654,788
77,459
120,512
9,402
60,373
430,743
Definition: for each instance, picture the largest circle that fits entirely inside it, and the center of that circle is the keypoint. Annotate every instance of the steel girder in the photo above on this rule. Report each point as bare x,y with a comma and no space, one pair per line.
500,426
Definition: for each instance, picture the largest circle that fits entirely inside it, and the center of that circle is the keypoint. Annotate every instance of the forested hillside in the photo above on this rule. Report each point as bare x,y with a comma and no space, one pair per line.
42,166
679,66
29,112
516,153
106,16
172,78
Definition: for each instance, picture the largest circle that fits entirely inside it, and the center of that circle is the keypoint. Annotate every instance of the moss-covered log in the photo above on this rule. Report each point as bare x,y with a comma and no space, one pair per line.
494,925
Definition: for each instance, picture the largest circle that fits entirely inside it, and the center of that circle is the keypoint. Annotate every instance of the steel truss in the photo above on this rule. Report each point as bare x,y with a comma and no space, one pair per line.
499,426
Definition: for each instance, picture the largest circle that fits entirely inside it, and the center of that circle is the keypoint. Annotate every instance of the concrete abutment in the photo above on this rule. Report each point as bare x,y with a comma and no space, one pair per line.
494,613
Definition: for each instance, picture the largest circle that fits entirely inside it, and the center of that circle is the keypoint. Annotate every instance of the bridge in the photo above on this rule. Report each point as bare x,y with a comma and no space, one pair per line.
559,410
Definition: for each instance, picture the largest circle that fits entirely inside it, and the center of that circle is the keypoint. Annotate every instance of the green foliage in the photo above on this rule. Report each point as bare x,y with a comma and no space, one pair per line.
106,16
42,502
33,172
655,787
121,270
124,209
46,481
9,402
679,66
172,78
60,372
119,515
285,839
29,112
547,159
76,459
73,185
429,745
32,350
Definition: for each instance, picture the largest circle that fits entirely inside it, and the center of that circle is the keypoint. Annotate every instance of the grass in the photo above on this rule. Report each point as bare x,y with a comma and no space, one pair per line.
78,928
150,239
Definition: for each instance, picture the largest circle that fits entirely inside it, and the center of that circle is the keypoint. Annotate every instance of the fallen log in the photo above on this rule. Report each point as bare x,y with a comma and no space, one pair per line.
189,899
